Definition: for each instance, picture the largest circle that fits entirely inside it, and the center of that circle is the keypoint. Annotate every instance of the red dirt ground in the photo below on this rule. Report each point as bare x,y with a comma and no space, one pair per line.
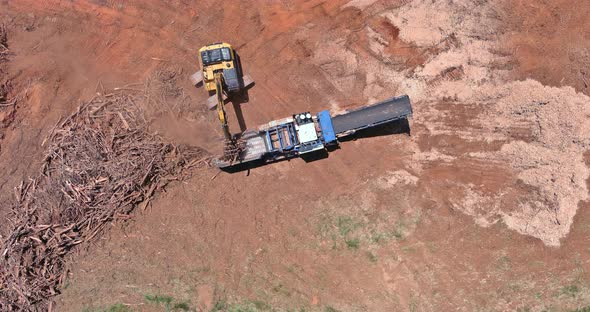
329,234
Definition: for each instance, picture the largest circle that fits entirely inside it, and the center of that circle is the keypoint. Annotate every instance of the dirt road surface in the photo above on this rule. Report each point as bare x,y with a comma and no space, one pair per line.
483,207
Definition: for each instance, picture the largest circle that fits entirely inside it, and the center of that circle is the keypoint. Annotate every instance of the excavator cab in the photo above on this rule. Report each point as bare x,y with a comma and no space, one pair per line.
220,58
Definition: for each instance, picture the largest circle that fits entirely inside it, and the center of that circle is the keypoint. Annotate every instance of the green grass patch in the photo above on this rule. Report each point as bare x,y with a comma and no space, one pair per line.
399,230
569,291
432,246
537,263
220,305
408,249
261,305
242,307
167,302
246,306
346,225
372,257
353,243
340,231
117,307
378,238
355,232
181,306
281,289
504,263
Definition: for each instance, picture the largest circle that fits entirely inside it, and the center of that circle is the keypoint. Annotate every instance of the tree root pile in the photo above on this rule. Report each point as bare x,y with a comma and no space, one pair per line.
101,164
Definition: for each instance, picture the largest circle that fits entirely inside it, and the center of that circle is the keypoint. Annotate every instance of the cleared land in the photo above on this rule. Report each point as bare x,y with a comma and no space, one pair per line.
484,207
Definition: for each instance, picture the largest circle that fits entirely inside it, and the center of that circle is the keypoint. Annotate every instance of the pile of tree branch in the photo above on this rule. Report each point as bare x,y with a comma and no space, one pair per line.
4,86
101,164
3,43
4,83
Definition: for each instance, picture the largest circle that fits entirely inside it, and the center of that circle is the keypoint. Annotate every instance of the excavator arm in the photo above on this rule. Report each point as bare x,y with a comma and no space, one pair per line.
220,109
232,147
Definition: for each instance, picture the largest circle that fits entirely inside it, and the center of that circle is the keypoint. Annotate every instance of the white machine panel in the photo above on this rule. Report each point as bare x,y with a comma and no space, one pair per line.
307,133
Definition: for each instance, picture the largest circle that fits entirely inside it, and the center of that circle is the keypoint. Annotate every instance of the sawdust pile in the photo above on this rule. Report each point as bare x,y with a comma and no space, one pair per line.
465,68
551,161
472,27
100,165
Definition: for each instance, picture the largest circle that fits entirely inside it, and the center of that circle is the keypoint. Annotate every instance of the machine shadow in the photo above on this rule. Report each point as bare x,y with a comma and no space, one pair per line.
236,102
401,126
241,98
250,165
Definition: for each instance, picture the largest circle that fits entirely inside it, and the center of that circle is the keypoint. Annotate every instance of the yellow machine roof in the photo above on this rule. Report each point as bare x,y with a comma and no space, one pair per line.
214,46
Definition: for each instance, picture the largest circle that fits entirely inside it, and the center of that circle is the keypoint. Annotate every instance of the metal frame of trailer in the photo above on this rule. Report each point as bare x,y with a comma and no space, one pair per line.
304,133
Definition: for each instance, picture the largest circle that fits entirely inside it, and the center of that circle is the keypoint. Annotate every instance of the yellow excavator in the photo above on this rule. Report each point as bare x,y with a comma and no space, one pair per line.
298,135
221,74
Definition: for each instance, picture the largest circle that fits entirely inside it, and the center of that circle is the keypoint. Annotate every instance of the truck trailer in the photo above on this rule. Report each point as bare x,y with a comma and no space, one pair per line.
306,133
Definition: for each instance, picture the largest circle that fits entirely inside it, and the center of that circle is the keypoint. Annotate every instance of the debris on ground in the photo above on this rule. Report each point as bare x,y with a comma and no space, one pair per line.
101,164
3,42
550,159
405,211
540,131
232,149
